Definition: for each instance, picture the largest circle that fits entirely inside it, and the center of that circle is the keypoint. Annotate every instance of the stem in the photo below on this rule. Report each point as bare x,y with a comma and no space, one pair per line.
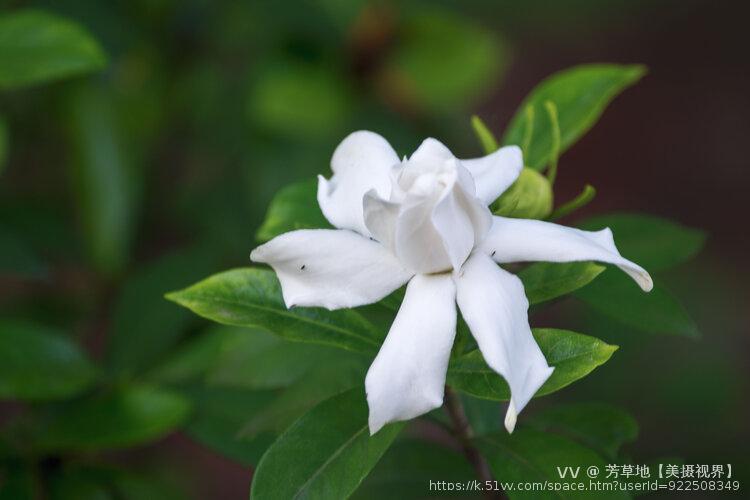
486,138
464,433
528,129
579,201
554,153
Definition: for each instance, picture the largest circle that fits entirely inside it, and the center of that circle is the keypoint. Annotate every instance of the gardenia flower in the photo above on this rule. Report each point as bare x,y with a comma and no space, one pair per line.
424,221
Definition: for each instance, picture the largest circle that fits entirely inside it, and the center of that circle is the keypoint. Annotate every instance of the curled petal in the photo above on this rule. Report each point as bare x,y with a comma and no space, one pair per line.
380,218
432,231
416,241
523,240
493,303
361,162
433,158
407,378
461,220
494,173
431,151
455,229
331,268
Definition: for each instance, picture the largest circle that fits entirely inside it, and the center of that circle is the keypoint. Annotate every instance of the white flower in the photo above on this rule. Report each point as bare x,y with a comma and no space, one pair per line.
425,221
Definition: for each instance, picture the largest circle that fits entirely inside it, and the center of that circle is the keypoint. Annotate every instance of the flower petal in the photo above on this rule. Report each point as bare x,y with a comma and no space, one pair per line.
523,240
461,219
416,241
380,218
453,225
493,303
431,151
407,378
360,163
495,172
430,232
331,268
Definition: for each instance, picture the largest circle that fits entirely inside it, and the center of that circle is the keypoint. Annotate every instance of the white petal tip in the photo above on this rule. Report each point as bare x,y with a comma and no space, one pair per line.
646,283
374,426
510,423
513,157
641,277
323,189
288,301
510,419
372,194
515,151
257,255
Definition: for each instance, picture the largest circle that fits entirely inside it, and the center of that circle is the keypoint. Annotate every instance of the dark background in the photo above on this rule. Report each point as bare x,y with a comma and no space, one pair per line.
187,85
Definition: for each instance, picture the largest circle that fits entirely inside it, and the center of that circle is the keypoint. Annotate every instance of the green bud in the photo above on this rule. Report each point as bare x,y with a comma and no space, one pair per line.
530,197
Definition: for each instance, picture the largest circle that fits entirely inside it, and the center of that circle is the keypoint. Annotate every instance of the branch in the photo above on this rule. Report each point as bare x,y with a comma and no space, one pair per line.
464,433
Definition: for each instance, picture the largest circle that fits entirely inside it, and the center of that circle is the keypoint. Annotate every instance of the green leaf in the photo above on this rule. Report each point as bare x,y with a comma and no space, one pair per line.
293,207
258,360
601,427
580,94
616,296
547,280
529,455
38,363
252,297
407,468
325,454
393,301
38,47
241,406
195,357
485,415
144,325
124,416
442,62
246,358
315,386
220,416
247,361
572,354
652,242
105,183
529,197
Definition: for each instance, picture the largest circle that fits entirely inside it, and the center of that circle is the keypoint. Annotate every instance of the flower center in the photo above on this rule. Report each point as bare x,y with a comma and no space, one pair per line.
427,180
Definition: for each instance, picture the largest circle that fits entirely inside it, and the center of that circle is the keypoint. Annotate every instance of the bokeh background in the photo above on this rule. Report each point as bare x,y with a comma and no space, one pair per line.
157,171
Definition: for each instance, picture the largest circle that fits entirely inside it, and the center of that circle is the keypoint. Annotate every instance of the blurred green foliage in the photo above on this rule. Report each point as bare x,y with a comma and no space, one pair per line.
140,145
39,363
38,47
